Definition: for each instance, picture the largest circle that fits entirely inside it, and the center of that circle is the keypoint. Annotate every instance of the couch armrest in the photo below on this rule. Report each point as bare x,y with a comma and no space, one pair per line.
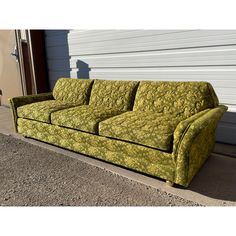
194,140
24,100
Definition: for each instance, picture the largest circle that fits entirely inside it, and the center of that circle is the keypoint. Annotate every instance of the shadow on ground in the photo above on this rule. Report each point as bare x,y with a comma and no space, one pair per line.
217,178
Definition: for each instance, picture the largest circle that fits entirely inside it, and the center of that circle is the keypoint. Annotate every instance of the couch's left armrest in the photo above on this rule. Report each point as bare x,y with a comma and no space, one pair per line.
16,102
194,139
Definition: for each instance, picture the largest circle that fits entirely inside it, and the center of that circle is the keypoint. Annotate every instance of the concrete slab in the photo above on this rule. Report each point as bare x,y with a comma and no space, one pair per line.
6,123
214,185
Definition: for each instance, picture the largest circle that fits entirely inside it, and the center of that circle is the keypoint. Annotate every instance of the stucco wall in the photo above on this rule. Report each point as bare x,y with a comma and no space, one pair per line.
10,82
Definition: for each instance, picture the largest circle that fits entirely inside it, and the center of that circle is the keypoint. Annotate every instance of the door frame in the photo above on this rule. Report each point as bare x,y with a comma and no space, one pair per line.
20,59
31,56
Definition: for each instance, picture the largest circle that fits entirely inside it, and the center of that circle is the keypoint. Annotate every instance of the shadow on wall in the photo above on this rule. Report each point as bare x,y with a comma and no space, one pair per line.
83,70
64,54
58,58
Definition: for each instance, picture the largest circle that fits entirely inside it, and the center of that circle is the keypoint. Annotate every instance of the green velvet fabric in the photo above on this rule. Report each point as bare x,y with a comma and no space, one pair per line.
85,118
23,100
73,90
177,117
136,157
186,98
41,111
196,144
183,127
179,166
113,94
146,128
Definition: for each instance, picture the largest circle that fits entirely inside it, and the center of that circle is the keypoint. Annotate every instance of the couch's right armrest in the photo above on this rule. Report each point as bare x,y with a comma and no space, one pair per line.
194,140
16,102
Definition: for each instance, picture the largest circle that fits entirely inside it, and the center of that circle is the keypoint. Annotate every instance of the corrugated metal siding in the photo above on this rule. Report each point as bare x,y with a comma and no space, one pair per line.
206,55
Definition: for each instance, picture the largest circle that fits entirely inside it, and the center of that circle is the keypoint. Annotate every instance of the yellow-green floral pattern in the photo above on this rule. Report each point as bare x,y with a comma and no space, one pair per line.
146,128
178,117
113,94
85,118
23,100
41,111
136,157
196,144
73,90
186,98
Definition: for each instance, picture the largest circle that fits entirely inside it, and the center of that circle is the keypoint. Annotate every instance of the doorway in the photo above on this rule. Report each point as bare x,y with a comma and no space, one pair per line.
23,68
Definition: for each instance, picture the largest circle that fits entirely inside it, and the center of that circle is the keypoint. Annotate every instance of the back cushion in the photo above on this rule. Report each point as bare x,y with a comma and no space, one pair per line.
73,90
184,98
113,94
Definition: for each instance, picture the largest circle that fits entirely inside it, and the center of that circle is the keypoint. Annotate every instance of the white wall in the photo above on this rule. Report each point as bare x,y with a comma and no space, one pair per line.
206,55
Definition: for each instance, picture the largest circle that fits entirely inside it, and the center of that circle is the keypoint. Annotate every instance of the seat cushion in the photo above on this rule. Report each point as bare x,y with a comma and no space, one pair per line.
186,98
73,90
41,111
146,128
113,94
84,118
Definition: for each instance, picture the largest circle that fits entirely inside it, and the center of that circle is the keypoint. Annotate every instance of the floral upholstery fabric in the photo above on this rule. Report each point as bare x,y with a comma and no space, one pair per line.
186,98
85,118
136,157
179,166
146,128
73,90
184,115
196,144
23,100
183,126
113,94
41,111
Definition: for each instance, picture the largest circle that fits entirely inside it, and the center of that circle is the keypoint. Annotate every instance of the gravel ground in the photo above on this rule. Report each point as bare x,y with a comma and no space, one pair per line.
34,176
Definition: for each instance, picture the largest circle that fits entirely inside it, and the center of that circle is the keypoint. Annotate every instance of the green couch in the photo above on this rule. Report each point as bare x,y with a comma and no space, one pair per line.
163,129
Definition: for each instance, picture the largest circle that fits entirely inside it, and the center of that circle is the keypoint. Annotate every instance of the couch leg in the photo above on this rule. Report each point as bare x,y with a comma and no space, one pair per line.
169,183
